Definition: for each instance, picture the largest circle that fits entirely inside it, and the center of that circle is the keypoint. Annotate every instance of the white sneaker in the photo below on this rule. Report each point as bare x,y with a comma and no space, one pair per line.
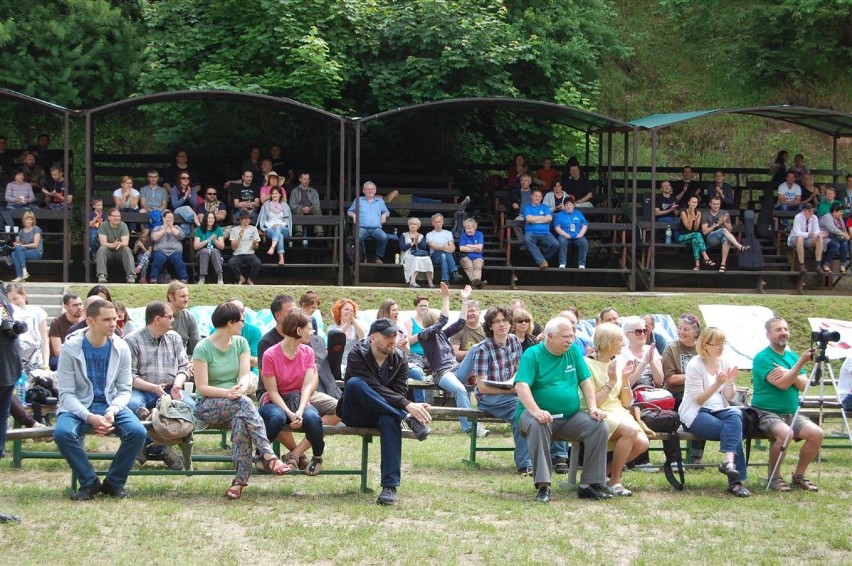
201,280
481,431
102,278
561,266
219,280
581,267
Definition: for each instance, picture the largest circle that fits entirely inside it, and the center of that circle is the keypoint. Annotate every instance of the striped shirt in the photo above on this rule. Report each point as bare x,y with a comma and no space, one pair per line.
157,360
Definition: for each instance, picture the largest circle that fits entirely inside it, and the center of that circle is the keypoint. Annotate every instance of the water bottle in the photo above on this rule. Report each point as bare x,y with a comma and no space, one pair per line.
21,386
396,258
210,244
668,234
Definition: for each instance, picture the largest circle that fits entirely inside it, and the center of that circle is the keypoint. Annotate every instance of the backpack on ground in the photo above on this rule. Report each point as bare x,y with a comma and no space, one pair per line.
751,259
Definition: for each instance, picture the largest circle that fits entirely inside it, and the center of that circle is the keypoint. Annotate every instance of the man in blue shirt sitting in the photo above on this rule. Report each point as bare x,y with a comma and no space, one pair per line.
571,226
537,219
371,214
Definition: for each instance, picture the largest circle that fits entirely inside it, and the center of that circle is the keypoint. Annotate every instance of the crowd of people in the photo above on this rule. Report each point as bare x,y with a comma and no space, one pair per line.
547,384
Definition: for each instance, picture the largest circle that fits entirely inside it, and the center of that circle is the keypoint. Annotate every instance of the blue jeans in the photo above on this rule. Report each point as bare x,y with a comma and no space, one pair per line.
5,404
465,369
504,407
93,240
377,234
416,372
70,432
20,256
362,406
277,234
726,426
833,249
275,419
447,263
159,260
581,244
139,399
846,402
547,241
450,383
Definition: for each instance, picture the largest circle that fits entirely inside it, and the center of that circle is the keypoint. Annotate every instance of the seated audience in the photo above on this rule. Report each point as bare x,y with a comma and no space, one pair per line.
778,375
415,255
390,310
517,170
305,201
114,245
722,190
211,203
253,163
646,360
571,227
370,215
690,224
209,243
652,338
290,379
546,176
34,343
96,218
799,167
706,408
666,209
471,244
181,166
177,295
828,198
95,384
555,199
716,229
577,185
345,315
222,372
806,234
275,219
142,250
57,192
184,202
152,196
675,357
244,196
837,243
33,171
272,181
72,312
789,194
687,187
810,192
610,378
19,193
523,327
244,241
442,247
168,249
126,198
28,244
537,219
466,340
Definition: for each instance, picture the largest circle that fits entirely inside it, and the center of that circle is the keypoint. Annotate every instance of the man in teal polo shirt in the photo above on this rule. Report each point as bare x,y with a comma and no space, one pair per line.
547,385
778,375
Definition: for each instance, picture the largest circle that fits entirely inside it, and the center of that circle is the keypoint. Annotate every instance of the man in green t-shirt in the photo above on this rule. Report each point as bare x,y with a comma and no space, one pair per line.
778,375
547,385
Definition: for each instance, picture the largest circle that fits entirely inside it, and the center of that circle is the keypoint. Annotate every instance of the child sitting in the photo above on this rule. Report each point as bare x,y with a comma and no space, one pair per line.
142,252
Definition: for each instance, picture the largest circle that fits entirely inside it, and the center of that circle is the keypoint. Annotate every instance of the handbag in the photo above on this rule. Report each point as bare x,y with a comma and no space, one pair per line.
654,398
667,420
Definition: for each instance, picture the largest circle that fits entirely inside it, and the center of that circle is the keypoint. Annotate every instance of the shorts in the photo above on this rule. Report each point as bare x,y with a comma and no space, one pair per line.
715,238
324,404
767,420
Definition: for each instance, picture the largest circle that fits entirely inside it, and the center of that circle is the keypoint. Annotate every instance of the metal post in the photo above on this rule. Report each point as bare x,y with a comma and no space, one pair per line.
355,197
88,187
66,244
635,216
834,176
341,236
653,205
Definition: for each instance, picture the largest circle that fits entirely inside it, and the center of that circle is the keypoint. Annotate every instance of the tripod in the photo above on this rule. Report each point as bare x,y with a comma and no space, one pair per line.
816,378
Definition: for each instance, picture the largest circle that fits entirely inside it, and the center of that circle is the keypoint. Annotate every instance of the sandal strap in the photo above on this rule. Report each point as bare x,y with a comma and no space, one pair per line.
778,484
804,483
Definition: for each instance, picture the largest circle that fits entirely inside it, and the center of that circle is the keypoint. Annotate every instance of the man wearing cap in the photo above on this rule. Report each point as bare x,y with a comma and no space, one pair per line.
805,233
838,237
548,382
159,366
244,241
374,396
95,384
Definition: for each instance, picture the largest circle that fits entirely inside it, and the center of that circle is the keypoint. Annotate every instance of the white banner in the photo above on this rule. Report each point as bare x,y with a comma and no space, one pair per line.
744,330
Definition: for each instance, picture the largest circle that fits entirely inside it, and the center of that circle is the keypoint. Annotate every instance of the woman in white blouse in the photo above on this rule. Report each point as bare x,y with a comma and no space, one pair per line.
706,407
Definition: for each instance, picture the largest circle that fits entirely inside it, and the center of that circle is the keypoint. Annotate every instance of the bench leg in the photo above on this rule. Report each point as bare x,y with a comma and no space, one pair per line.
17,456
365,453
471,461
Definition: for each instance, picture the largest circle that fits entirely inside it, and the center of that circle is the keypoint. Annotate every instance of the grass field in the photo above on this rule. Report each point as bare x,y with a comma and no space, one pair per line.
448,513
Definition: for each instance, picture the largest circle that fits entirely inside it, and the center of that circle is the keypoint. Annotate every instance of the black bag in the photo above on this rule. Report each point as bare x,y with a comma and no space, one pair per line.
336,343
665,420
765,227
752,259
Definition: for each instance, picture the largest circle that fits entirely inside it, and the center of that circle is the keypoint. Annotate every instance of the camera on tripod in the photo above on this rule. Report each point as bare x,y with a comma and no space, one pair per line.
823,337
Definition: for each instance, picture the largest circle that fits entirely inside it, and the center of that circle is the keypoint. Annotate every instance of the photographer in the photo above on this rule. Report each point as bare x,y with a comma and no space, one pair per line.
778,374
10,370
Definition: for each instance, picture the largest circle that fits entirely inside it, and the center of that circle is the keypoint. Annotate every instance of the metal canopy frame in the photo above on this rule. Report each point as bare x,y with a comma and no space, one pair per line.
327,118
828,122
571,116
66,142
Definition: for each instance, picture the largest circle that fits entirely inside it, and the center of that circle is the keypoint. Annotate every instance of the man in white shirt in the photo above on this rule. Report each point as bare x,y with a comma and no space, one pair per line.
244,241
805,233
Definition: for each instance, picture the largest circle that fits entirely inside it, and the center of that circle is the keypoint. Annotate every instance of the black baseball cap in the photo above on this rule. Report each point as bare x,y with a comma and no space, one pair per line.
384,326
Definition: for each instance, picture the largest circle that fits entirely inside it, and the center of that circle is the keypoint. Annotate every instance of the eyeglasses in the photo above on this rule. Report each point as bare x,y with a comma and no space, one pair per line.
640,331
184,178
689,318
212,194
423,306
167,316
719,345
522,322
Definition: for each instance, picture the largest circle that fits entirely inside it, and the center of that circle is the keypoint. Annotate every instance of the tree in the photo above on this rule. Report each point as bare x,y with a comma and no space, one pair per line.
75,53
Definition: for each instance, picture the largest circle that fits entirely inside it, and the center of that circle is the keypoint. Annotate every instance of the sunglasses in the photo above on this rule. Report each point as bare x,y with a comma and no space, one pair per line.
640,331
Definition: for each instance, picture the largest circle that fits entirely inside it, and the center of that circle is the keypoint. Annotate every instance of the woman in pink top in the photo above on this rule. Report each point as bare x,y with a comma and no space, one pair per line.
290,378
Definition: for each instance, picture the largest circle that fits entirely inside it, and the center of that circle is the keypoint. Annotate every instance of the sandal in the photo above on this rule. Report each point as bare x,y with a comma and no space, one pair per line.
709,263
744,249
696,268
730,470
277,467
722,269
739,490
314,467
778,484
620,491
290,460
826,268
804,483
235,491
261,467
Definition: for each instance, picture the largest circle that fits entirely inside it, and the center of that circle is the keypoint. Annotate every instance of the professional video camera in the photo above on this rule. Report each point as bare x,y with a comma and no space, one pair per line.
823,337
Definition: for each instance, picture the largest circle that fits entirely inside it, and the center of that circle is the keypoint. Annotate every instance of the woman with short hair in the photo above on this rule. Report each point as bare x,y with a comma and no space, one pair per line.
28,245
415,255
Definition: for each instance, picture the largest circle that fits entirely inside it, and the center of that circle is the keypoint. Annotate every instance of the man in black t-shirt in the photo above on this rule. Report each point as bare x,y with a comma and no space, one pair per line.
578,185
244,196
666,207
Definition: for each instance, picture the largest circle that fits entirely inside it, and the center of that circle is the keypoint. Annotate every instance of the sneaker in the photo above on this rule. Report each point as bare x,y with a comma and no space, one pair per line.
304,243
581,266
170,459
413,286
481,431
102,278
560,465
525,471
131,279
482,284
26,274
114,492
475,283
464,203
379,261
543,495
561,266
201,279
220,280
594,491
457,278
420,430
87,493
388,496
